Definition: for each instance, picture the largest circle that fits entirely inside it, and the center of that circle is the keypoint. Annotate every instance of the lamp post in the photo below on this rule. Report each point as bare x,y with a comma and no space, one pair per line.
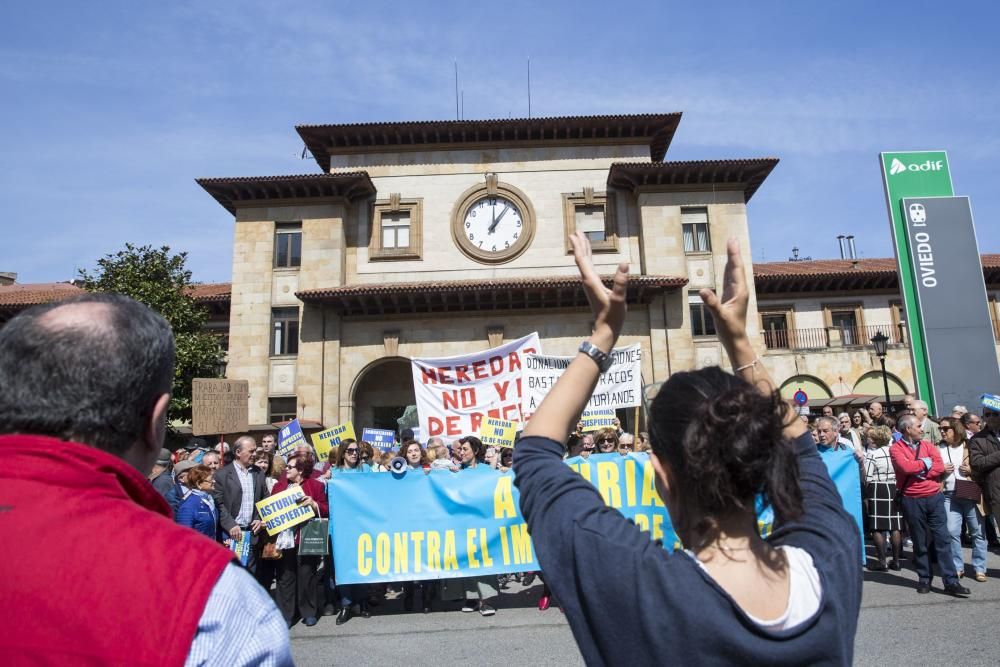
881,343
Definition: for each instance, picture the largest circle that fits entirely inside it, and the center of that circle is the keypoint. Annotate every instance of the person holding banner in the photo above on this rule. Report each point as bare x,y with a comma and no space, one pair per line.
606,441
298,575
349,461
718,440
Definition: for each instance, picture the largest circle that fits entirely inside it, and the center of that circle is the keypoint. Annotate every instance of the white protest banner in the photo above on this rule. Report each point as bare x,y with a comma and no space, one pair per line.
620,387
455,394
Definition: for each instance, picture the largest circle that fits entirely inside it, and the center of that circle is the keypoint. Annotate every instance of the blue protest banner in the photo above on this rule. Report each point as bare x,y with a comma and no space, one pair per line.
443,524
290,437
430,526
846,476
380,438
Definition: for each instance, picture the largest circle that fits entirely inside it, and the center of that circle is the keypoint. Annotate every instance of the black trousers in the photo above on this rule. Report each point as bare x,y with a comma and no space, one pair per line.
298,584
928,524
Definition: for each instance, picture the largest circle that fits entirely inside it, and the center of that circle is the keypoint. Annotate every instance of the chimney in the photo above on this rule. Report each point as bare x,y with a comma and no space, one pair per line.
843,246
850,247
7,278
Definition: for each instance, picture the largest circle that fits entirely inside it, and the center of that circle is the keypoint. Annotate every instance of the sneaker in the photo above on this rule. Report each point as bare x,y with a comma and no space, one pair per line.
467,607
981,577
486,610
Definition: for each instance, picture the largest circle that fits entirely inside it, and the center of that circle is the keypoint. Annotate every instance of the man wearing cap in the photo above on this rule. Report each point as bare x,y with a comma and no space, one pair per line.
160,477
179,489
86,384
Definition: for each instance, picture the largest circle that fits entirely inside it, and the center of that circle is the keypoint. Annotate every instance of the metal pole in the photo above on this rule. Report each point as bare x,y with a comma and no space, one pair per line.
885,382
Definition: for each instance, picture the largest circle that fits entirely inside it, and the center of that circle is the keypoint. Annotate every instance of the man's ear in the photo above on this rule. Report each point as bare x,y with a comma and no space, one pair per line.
155,431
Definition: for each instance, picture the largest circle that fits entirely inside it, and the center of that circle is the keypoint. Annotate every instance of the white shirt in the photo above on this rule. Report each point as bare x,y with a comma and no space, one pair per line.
954,456
804,591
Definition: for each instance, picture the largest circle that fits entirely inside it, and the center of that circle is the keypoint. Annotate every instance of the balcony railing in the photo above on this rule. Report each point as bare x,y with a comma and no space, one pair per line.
832,337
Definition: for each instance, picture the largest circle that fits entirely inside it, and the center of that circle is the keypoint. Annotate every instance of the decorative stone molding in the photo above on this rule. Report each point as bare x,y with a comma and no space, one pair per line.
390,339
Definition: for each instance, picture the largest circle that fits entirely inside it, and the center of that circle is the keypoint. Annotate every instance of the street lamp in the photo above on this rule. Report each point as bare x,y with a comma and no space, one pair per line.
881,343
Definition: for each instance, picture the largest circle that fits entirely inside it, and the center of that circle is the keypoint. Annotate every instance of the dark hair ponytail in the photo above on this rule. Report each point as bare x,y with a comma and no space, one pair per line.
724,442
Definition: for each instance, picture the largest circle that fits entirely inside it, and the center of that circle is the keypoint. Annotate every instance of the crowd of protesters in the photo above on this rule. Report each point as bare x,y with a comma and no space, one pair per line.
915,474
929,484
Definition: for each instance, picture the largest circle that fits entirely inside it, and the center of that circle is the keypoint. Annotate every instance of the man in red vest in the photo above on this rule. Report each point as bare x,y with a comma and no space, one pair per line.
96,571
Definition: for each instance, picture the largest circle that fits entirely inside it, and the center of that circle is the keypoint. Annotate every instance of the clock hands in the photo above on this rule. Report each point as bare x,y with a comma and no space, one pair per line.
498,218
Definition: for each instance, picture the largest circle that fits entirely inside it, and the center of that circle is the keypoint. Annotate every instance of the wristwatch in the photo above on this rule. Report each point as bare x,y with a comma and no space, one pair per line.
602,360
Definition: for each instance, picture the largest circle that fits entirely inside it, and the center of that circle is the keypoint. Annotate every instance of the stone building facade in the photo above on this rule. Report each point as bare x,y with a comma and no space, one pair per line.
367,264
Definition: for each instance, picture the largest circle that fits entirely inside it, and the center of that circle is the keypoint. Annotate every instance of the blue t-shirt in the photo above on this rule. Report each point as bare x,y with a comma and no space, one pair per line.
630,602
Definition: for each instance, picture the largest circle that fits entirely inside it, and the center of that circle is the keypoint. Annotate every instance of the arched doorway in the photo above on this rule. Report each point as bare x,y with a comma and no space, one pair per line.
814,387
871,383
381,393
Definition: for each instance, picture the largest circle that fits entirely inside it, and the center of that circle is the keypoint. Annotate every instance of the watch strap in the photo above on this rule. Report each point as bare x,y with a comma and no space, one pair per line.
602,359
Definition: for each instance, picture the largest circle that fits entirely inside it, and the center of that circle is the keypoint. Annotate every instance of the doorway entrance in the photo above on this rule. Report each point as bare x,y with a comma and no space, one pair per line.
381,394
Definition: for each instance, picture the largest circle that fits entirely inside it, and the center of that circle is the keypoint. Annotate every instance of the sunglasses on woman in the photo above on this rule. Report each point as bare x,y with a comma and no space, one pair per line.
603,440
353,450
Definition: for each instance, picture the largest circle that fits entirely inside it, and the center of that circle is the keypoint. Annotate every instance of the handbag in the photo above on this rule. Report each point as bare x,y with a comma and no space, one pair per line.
966,489
314,538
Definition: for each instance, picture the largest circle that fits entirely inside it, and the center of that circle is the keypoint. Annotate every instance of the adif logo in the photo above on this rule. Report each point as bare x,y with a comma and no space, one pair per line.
898,167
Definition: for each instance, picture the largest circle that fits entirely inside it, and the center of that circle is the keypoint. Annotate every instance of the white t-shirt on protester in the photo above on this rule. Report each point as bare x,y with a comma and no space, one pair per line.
954,456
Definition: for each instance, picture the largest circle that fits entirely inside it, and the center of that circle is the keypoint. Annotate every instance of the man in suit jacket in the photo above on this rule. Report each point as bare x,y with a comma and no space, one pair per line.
238,487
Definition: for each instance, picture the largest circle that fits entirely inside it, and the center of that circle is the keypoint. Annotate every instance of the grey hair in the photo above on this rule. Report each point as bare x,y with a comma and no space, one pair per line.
242,440
830,421
905,422
920,404
843,414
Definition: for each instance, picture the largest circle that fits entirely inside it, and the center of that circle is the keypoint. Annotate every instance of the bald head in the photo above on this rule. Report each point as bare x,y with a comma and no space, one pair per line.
92,369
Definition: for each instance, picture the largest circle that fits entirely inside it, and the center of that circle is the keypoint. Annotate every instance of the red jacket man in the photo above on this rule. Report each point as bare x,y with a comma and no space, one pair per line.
919,469
97,572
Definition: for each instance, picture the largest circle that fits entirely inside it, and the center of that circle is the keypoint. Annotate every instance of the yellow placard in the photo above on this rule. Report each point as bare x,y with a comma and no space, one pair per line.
326,440
595,420
283,510
497,432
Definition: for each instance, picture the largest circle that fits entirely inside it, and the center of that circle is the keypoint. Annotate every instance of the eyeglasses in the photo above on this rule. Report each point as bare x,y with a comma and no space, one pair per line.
946,428
353,450
603,440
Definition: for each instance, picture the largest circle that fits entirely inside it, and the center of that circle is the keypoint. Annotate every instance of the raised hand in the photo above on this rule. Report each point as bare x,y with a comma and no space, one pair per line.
730,311
607,305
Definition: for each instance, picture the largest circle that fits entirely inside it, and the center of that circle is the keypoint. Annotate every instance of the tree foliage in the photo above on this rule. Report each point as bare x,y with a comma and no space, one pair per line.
159,279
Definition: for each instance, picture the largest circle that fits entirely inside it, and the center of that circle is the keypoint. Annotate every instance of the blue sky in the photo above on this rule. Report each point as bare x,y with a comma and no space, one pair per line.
112,109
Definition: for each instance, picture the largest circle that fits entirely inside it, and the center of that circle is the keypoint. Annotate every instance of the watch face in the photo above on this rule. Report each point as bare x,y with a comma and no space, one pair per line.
493,226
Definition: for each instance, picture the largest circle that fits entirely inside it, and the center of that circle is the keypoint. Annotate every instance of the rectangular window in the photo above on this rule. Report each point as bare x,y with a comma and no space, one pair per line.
590,221
287,244
284,331
396,230
592,213
694,222
281,409
775,330
702,323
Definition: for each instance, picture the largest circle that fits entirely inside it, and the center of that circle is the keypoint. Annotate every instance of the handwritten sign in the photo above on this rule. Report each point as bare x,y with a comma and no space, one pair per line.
498,432
595,420
381,438
326,440
290,437
618,387
283,510
219,406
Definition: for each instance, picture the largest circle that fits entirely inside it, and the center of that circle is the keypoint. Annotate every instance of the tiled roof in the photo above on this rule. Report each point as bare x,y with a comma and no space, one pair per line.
19,296
249,190
824,267
210,292
656,130
743,174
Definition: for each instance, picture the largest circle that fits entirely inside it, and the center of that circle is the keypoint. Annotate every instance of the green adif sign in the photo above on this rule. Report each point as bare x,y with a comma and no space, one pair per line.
913,174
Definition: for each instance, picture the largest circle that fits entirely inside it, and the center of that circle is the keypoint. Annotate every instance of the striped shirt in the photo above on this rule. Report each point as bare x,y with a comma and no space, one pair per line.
240,625
245,516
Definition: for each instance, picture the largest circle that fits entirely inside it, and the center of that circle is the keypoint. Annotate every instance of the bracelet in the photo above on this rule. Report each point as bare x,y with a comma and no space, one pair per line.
753,363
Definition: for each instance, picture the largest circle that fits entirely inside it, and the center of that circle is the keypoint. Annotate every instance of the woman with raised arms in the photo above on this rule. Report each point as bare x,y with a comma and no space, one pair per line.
718,440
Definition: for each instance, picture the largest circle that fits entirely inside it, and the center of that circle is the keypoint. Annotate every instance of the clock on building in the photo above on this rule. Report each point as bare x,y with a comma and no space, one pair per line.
493,223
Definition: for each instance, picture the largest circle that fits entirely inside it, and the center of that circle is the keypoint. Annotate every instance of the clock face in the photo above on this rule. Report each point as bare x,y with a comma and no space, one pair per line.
493,228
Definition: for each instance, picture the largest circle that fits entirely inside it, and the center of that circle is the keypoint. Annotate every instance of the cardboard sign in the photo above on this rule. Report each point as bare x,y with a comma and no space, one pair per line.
290,437
619,387
219,406
380,438
498,432
284,510
326,440
595,420
455,394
